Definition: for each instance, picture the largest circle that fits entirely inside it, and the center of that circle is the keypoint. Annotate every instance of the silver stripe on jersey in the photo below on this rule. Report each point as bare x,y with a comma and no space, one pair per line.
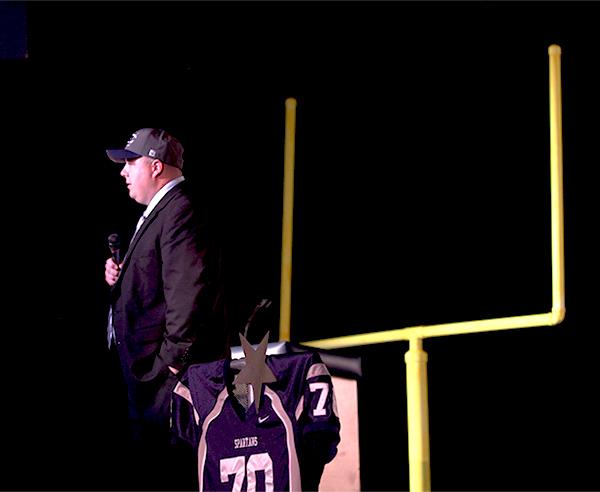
202,448
293,465
184,392
315,370
299,408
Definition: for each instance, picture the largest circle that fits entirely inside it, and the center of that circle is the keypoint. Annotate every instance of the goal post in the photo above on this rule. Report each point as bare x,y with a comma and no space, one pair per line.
416,357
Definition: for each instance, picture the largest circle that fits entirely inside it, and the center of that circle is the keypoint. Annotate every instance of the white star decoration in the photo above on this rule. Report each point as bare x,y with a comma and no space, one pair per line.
255,372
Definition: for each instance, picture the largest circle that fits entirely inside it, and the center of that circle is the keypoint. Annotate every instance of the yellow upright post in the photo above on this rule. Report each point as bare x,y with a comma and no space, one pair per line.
285,301
418,417
556,184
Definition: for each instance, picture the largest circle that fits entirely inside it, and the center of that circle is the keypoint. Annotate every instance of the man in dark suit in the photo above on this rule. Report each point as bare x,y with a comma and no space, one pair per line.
166,305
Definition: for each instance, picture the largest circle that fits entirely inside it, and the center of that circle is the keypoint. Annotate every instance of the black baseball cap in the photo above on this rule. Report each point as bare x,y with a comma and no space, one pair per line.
150,142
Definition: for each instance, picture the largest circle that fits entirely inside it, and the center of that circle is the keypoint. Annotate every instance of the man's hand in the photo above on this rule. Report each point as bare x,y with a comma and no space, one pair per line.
111,271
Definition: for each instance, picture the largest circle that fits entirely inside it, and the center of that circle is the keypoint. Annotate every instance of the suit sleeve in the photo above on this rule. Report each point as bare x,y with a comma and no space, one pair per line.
190,287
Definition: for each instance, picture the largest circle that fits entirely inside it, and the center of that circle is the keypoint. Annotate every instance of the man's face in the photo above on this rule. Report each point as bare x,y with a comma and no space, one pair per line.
138,178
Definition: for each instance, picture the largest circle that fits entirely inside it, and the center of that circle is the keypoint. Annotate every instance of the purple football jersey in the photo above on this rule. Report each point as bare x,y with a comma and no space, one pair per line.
283,446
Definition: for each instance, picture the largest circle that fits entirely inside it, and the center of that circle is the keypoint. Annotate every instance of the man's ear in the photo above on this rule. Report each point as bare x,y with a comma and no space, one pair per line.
157,167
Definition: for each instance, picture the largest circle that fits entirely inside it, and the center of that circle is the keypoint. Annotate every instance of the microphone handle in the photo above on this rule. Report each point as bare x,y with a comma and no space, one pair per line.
116,255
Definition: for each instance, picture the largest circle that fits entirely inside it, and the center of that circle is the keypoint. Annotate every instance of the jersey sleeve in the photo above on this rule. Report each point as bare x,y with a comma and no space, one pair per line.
184,417
319,424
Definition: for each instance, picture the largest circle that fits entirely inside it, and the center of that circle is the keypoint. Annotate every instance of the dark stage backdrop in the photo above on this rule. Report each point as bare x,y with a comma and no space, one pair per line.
422,196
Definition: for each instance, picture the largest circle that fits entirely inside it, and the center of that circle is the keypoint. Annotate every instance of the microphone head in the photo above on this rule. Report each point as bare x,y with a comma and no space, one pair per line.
114,241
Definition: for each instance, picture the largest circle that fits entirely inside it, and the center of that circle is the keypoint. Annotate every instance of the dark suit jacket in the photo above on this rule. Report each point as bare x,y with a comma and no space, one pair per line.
167,306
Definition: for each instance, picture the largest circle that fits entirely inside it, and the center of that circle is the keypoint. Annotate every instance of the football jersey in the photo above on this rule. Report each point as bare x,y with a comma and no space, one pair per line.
283,446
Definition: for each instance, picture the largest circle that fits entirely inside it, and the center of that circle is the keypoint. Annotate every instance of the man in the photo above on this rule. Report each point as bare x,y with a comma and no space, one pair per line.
165,297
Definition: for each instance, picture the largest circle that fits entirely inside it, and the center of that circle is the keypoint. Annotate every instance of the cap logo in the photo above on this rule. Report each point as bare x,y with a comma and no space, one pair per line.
151,152
133,137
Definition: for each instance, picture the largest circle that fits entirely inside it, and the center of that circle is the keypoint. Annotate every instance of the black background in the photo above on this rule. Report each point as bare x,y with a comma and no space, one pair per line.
421,197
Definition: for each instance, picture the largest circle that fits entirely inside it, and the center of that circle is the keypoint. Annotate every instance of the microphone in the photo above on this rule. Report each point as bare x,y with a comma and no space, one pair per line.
114,244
